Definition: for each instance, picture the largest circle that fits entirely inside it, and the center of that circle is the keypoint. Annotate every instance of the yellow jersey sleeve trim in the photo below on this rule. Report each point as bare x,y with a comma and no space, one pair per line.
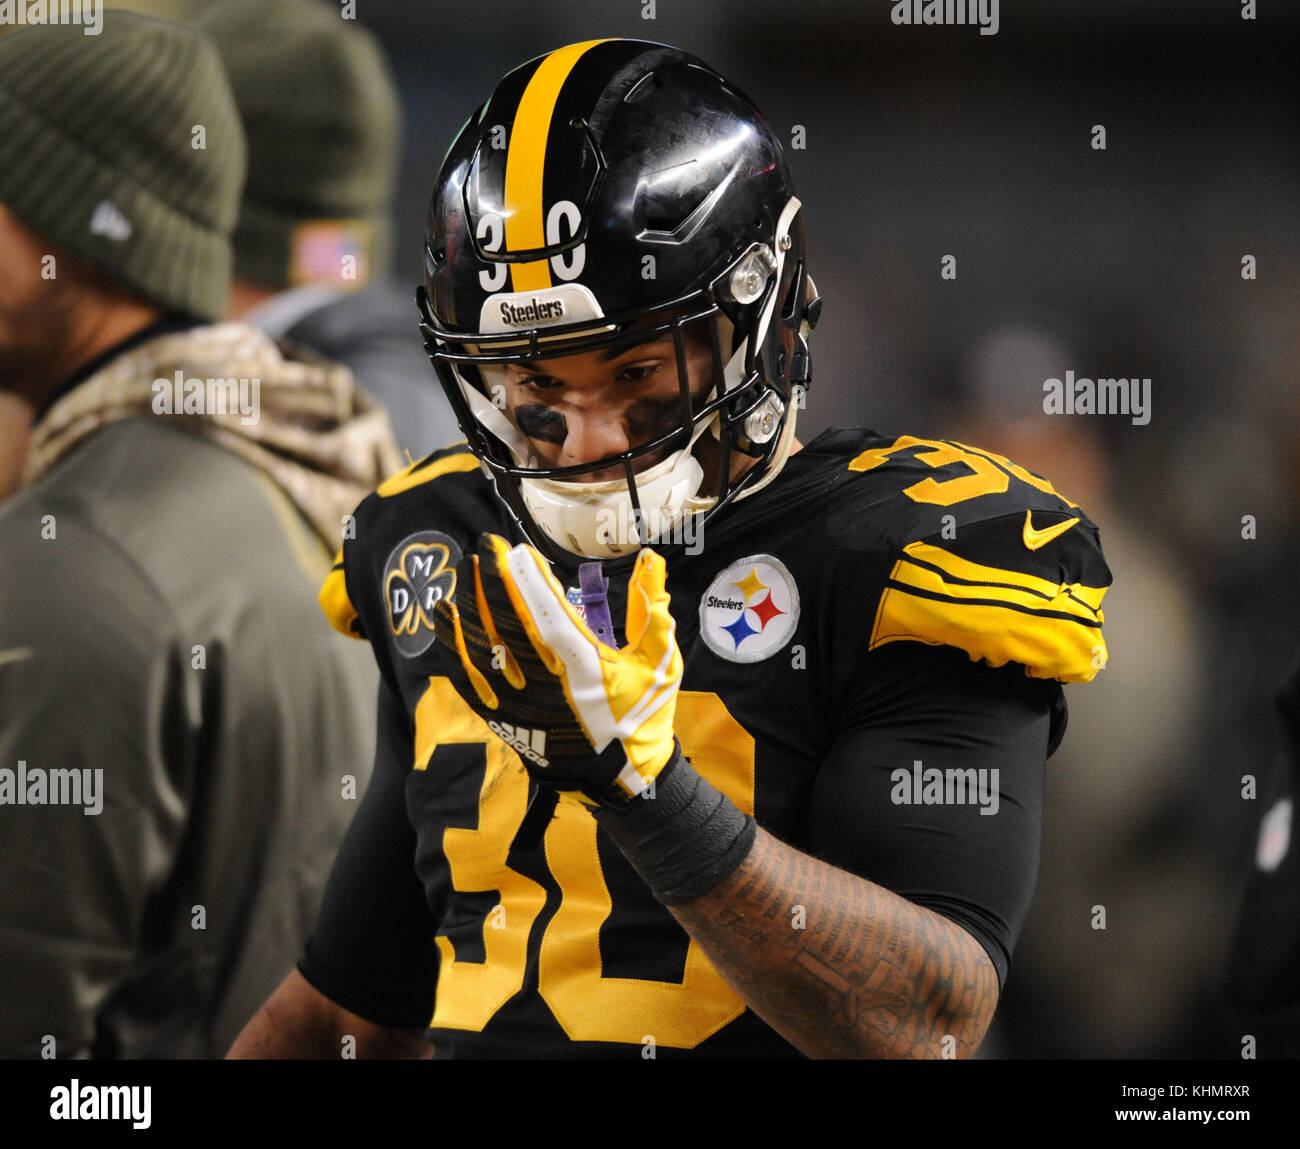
956,567
1092,595
334,601
420,472
940,572
997,615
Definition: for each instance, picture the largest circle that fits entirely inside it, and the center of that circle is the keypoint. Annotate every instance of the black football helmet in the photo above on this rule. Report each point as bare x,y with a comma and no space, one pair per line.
609,193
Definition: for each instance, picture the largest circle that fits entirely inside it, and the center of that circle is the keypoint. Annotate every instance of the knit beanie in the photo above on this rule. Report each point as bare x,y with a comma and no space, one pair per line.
124,149
322,117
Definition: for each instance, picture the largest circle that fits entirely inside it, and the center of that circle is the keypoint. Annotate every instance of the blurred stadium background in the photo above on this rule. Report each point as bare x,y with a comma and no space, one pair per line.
931,141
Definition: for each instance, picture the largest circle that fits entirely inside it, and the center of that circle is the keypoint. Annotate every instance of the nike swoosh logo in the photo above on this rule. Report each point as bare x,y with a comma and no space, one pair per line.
15,654
1035,539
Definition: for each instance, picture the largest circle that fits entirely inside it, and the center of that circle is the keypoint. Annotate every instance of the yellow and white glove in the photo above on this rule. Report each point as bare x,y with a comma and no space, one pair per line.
582,715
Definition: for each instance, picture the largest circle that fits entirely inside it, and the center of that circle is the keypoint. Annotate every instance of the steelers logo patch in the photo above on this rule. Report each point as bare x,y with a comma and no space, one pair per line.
420,573
750,610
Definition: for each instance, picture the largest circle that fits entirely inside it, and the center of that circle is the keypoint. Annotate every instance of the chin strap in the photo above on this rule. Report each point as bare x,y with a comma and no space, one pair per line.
595,601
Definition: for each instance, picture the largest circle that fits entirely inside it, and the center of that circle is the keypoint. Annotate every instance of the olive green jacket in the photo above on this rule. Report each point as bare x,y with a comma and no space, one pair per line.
183,739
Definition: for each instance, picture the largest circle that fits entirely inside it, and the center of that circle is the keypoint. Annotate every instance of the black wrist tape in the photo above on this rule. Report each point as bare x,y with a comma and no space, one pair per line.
686,840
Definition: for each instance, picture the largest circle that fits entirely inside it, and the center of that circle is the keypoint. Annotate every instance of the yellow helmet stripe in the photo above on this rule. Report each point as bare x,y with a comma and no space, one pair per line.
526,164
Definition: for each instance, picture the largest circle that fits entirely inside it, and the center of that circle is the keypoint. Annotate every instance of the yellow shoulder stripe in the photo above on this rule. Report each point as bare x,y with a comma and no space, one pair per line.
418,473
935,569
334,601
1001,616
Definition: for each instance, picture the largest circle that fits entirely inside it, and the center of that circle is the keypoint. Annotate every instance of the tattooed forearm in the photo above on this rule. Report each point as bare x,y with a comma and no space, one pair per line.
842,967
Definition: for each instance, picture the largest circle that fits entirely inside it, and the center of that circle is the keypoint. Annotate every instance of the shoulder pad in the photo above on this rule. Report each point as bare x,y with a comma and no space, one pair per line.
399,542
334,597
451,460
989,559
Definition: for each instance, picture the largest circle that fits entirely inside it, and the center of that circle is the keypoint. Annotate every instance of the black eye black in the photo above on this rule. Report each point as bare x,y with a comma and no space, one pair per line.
542,423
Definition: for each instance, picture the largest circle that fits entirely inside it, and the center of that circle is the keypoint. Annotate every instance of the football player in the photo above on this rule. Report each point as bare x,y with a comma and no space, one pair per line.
694,739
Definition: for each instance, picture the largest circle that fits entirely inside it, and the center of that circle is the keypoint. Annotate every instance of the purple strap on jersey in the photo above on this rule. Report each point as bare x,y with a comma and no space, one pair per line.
595,588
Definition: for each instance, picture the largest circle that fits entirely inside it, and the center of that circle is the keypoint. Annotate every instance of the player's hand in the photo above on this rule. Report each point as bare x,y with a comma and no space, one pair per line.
583,716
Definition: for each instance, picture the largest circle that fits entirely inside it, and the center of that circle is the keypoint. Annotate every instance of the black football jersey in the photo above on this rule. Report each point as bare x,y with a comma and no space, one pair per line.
840,598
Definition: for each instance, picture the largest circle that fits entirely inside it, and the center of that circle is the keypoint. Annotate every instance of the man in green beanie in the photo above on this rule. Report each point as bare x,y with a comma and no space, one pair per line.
313,243
180,740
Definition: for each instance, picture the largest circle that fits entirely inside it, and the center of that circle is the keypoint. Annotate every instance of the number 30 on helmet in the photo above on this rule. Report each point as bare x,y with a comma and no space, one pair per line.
610,193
